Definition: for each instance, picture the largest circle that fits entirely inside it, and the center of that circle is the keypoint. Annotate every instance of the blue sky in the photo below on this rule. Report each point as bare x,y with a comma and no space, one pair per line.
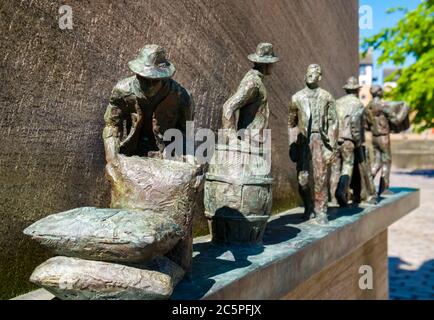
383,20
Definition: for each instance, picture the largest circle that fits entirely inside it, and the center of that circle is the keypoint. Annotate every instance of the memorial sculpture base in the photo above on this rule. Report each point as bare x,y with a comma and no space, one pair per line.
298,259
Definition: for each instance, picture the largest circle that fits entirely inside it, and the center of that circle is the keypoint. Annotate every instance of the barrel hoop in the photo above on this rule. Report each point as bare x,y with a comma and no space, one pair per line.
240,182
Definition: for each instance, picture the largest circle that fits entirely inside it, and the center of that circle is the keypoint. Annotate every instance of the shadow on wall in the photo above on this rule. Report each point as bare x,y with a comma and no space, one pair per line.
408,284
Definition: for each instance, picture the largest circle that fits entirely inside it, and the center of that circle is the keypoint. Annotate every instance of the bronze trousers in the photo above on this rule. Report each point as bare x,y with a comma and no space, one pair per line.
343,166
312,176
383,160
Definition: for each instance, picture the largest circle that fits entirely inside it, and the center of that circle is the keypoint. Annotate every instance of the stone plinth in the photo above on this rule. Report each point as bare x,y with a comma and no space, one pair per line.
303,260
412,153
300,260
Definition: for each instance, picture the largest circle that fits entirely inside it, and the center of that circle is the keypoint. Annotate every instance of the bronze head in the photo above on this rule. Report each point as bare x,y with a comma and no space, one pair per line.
377,91
313,75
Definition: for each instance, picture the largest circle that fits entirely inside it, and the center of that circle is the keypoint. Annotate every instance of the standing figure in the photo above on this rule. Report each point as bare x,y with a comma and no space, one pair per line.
350,168
313,111
238,187
377,121
248,108
144,106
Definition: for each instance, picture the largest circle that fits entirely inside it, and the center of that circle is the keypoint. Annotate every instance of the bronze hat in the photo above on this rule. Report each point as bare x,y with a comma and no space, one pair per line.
151,63
352,84
264,54
376,89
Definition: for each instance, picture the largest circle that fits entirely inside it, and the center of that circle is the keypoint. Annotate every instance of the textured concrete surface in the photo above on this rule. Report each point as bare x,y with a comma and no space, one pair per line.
411,241
55,85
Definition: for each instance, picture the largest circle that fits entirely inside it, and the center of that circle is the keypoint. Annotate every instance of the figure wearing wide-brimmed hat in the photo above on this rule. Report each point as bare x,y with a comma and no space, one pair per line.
145,105
238,187
152,63
248,108
350,166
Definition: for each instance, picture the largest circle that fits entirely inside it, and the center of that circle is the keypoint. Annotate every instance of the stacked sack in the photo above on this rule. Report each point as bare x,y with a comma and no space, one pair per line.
107,254
123,254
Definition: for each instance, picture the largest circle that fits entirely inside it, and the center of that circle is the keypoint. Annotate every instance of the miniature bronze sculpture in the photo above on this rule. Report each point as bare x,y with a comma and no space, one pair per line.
248,107
350,167
107,254
383,118
142,246
363,187
78,279
238,182
146,105
313,111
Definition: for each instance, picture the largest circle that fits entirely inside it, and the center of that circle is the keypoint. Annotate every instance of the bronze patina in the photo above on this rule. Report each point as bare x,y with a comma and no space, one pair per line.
313,111
382,119
149,224
350,168
238,183
144,106
141,109
247,109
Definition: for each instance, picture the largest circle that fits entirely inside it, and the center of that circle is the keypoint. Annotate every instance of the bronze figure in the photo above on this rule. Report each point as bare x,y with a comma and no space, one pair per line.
382,119
144,106
350,168
141,109
149,224
378,124
248,108
313,111
238,182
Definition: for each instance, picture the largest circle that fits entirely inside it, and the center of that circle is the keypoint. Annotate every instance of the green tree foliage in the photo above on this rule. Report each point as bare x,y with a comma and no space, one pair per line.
412,36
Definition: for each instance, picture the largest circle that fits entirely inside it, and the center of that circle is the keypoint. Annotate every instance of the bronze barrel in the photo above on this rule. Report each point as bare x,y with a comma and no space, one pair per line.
238,194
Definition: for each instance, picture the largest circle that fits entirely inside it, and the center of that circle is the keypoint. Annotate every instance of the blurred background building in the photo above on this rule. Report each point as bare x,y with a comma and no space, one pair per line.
366,76
390,84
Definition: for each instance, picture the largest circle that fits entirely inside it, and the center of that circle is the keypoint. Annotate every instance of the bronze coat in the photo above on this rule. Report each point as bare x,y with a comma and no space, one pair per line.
300,114
135,124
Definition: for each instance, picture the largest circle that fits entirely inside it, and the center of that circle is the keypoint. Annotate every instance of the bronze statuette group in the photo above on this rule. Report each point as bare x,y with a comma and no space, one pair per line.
141,246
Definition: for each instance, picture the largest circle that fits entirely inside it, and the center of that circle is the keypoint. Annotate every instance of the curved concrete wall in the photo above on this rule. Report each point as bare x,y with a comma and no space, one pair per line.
55,85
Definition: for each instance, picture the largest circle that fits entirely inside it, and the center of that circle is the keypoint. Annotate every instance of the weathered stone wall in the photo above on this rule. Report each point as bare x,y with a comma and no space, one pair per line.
415,154
54,86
